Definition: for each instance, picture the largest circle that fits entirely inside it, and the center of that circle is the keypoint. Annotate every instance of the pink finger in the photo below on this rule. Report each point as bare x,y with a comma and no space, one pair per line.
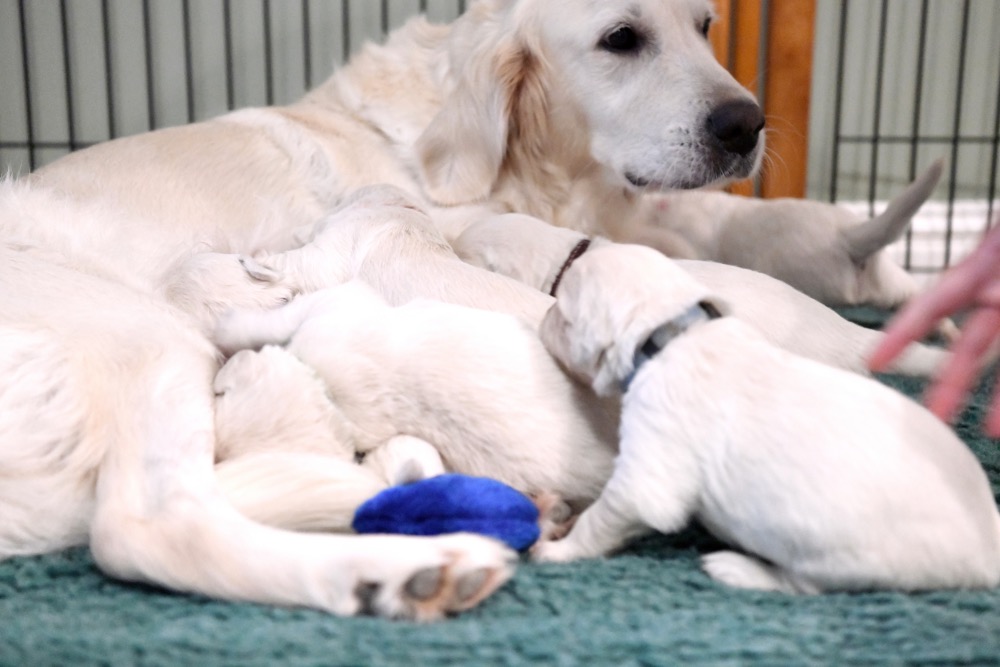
911,324
957,289
992,425
948,391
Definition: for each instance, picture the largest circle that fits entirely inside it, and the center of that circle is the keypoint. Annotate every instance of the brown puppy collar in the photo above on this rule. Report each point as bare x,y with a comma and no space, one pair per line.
574,255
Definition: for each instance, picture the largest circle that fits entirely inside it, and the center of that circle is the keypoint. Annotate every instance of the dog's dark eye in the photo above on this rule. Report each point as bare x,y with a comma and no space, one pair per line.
622,39
705,25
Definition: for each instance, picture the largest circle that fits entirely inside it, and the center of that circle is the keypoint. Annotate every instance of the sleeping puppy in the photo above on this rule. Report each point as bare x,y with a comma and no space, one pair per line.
478,385
261,434
300,449
820,249
819,478
537,254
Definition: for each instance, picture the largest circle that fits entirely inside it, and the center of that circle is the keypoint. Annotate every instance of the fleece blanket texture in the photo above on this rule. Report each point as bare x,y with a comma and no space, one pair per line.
649,605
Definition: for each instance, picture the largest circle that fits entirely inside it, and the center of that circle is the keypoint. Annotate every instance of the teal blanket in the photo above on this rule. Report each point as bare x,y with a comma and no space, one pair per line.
650,605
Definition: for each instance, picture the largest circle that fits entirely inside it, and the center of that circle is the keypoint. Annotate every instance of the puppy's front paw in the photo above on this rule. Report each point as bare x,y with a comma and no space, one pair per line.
555,516
266,287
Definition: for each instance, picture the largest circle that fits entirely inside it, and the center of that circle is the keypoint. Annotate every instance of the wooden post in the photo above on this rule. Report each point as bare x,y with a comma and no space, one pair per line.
786,77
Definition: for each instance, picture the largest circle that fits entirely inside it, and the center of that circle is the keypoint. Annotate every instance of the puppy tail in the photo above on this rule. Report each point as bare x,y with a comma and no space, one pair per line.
868,238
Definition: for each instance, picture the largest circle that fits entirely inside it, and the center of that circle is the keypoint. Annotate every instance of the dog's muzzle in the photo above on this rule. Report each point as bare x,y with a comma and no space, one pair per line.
661,336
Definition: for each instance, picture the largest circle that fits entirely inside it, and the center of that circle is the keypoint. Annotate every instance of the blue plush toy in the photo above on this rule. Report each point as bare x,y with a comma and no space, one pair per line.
452,503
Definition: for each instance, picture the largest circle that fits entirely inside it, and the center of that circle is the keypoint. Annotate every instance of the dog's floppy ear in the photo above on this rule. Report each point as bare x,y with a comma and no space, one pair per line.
462,151
868,238
580,333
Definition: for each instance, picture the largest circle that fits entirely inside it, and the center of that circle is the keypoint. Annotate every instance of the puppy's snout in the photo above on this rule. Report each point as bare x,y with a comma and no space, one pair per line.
737,125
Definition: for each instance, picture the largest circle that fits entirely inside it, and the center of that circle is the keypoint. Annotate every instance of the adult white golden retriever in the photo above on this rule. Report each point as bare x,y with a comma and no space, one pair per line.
563,109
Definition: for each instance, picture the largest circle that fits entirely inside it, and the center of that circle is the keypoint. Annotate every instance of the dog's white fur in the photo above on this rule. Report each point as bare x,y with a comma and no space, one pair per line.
821,249
285,455
106,416
514,107
823,479
478,385
532,252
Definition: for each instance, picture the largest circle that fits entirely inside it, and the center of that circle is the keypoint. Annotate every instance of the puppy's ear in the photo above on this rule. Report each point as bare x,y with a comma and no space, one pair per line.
577,337
462,151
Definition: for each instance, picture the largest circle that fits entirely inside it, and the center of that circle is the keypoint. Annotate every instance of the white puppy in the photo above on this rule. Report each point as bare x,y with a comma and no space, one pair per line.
536,254
278,433
823,479
478,385
821,249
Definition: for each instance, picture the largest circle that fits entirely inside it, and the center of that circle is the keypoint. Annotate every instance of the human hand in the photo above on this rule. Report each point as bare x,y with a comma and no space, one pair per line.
973,285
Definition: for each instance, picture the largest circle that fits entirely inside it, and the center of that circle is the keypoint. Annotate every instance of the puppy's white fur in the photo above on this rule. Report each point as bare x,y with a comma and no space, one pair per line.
478,385
534,253
820,249
514,107
823,479
280,436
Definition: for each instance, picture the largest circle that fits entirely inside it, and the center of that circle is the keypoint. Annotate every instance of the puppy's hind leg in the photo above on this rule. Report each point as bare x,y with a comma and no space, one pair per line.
744,571
297,490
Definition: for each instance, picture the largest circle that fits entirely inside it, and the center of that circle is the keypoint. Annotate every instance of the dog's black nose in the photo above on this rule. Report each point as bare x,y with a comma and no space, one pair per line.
737,125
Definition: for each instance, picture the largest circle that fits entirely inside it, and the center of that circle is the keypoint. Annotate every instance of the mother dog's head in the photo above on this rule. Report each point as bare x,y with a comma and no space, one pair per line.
631,85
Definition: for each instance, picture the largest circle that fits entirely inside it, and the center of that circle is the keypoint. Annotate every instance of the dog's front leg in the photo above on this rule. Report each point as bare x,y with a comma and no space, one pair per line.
162,518
653,486
603,528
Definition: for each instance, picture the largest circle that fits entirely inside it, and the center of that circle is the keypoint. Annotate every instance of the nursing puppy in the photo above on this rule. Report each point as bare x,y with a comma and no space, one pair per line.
820,249
284,454
822,479
478,385
286,467
537,254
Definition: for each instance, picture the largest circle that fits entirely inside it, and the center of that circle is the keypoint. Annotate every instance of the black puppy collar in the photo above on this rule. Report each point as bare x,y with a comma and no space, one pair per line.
666,332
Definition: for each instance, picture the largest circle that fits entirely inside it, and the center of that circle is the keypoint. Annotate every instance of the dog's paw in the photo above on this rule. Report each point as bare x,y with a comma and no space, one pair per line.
554,551
208,284
265,287
743,571
555,516
425,579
